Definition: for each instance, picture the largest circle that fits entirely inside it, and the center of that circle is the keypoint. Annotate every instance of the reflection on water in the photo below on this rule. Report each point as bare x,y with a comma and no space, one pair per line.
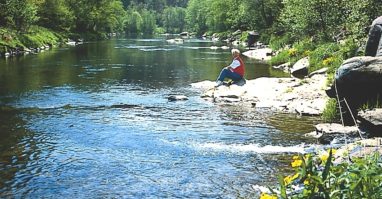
94,121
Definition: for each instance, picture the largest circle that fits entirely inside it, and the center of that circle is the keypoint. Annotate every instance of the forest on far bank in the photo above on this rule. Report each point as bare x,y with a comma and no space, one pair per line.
323,19
30,23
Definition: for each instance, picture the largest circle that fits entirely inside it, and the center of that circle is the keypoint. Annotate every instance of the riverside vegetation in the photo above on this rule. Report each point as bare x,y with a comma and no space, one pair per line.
326,31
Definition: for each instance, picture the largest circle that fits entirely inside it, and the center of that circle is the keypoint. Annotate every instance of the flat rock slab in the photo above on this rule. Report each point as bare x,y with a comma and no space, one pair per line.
260,54
327,132
374,116
306,97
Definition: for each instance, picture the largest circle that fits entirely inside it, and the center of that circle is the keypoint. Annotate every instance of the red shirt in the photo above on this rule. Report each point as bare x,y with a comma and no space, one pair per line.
240,69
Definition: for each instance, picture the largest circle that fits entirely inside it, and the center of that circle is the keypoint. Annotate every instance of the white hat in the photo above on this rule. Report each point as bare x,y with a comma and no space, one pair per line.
378,20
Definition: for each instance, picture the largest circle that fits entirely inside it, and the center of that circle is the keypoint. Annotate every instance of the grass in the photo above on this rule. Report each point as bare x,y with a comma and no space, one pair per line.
371,104
331,113
36,37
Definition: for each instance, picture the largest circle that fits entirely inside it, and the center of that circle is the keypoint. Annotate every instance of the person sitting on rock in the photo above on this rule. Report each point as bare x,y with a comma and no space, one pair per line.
235,71
374,42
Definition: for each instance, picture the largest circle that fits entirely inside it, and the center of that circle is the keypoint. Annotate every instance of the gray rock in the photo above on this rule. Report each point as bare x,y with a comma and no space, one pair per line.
300,68
327,132
371,121
177,98
359,81
284,67
320,71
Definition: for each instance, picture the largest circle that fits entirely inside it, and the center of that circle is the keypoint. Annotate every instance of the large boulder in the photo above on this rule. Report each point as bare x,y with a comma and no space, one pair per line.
259,54
359,81
300,68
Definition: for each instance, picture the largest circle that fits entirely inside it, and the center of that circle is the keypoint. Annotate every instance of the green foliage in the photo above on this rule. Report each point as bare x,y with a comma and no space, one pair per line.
331,113
148,22
280,58
196,16
39,36
328,20
56,15
320,178
140,22
19,14
371,104
303,48
9,39
174,19
325,55
36,37
299,50
279,42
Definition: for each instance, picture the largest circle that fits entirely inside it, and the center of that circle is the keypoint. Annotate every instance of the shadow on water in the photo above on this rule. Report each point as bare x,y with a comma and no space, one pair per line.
18,149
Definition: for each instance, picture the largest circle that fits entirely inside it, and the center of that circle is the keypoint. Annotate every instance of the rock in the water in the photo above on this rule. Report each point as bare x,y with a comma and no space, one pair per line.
177,98
282,94
327,132
300,68
260,54
371,121
284,67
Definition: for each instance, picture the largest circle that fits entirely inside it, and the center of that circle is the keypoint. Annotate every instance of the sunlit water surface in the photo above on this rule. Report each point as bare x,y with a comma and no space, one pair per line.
93,121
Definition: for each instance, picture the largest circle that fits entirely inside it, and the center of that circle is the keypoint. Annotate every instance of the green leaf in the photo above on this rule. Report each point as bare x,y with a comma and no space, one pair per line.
327,166
282,187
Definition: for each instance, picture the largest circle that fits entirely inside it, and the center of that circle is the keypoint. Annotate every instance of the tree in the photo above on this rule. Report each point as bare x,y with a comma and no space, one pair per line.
19,14
133,22
326,19
174,19
56,15
196,15
148,22
98,16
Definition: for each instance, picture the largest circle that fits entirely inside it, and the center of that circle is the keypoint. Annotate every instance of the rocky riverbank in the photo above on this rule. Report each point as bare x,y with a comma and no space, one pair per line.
292,95
305,96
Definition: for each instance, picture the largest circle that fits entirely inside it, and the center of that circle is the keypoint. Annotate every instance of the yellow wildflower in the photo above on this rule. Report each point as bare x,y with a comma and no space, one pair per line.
333,151
290,178
267,196
324,157
328,61
296,157
296,163
292,52
306,53
307,180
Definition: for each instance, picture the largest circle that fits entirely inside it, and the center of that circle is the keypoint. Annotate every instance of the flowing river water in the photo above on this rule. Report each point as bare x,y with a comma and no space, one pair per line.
93,121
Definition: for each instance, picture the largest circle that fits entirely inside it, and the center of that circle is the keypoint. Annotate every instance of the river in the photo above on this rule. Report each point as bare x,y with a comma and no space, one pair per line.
93,121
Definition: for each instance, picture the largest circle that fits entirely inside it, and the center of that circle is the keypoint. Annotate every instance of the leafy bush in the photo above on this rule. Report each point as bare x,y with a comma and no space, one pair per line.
280,58
279,42
318,177
39,36
325,55
303,48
